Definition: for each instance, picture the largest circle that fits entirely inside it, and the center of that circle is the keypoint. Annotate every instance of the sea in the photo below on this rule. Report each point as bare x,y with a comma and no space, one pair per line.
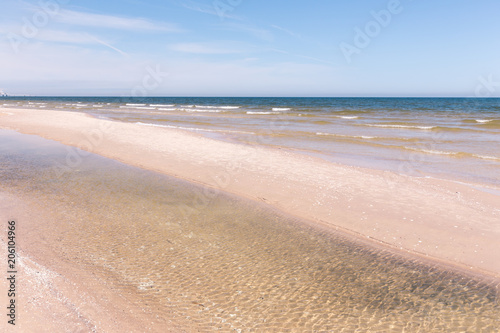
448,138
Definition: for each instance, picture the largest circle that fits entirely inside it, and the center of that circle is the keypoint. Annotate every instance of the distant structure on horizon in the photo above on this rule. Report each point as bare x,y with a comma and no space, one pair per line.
2,93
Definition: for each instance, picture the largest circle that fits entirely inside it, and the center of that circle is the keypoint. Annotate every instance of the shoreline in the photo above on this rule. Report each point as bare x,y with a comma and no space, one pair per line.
435,219
54,293
69,288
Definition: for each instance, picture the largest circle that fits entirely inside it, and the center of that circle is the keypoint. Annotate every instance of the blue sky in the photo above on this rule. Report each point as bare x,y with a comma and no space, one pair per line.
250,48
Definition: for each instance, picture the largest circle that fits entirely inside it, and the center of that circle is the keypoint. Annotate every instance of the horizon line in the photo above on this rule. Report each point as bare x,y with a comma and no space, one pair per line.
215,96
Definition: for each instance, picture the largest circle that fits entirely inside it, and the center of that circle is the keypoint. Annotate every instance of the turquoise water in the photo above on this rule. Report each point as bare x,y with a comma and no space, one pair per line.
453,138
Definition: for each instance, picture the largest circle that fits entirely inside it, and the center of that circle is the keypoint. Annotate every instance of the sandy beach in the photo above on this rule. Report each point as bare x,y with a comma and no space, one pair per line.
447,223
245,166
440,219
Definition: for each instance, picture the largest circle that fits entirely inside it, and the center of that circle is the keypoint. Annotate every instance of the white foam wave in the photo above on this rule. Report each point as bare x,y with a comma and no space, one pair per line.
226,107
486,157
167,109
202,110
97,106
206,106
457,154
347,136
162,105
437,152
281,109
194,128
137,107
402,126
164,126
349,117
262,112
132,104
483,120
434,152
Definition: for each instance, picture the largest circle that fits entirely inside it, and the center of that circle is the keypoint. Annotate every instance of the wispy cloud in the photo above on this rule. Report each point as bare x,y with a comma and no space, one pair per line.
315,59
289,32
257,32
198,7
210,47
302,56
206,9
204,48
65,37
59,69
109,46
113,22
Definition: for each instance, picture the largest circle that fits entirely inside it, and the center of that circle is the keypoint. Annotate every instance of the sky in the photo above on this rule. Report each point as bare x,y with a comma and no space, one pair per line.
250,48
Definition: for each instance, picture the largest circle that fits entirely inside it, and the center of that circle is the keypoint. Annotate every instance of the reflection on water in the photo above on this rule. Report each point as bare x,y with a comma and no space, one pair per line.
232,266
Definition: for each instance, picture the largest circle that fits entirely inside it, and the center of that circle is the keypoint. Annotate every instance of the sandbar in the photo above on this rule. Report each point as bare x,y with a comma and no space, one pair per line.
449,222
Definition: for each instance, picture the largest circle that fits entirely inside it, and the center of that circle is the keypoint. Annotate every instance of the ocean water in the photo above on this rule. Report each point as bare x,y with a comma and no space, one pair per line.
232,266
453,138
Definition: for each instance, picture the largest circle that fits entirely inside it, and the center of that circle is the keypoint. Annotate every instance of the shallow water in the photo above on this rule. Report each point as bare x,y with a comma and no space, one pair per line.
216,262
453,138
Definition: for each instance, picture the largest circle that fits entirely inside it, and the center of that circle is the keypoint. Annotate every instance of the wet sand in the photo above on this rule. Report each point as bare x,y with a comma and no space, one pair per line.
58,293
440,219
187,262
